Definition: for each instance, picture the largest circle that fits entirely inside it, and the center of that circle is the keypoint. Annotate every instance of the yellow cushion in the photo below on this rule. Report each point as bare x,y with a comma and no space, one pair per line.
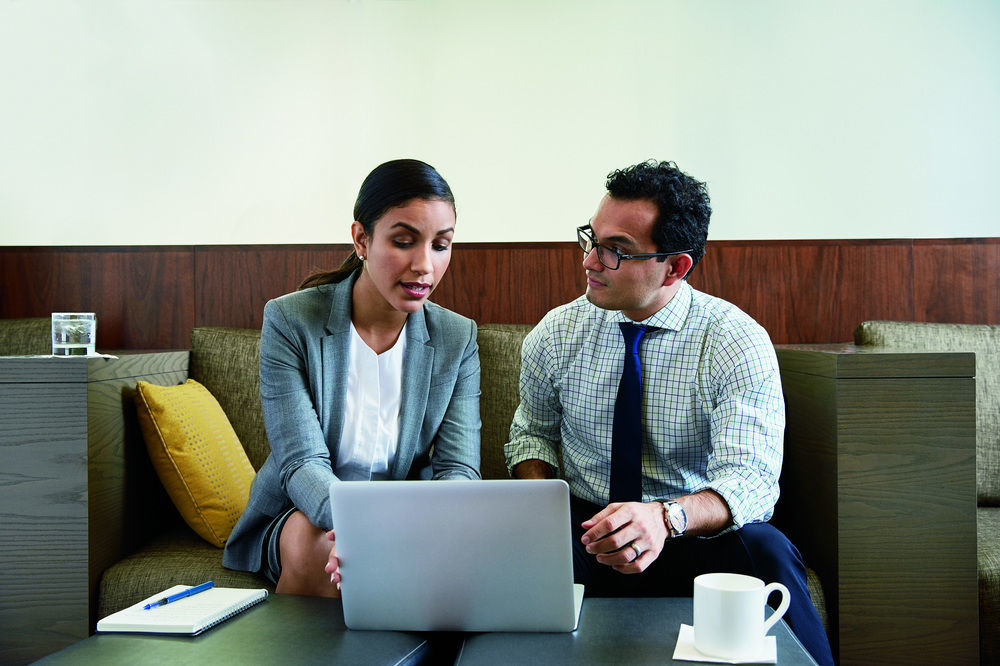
197,455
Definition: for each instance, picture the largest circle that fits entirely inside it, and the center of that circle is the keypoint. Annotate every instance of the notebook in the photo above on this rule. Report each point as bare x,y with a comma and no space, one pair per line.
190,615
456,555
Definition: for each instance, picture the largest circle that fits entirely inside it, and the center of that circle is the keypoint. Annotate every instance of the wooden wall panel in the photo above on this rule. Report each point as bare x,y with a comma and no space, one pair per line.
511,283
143,296
957,281
235,281
491,283
811,291
800,291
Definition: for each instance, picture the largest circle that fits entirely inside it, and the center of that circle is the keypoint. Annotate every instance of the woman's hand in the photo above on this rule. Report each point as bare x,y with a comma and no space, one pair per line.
333,564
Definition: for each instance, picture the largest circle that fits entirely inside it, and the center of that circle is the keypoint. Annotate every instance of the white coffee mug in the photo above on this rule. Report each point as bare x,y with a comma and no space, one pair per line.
729,614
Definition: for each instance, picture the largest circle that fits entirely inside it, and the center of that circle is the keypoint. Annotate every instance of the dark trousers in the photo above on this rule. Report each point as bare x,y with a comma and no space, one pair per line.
757,549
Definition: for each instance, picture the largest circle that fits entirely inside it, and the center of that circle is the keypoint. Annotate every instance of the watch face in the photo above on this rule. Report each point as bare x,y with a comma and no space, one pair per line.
678,519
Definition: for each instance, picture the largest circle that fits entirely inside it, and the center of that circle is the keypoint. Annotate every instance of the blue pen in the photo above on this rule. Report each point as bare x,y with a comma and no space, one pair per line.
180,595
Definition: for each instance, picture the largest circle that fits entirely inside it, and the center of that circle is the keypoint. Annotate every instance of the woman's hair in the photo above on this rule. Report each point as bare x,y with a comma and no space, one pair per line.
389,185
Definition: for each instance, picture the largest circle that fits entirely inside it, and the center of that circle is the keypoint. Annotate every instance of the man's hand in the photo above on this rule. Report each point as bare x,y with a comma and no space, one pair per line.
614,534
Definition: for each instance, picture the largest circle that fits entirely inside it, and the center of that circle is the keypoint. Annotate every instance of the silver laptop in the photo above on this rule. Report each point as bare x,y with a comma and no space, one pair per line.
456,555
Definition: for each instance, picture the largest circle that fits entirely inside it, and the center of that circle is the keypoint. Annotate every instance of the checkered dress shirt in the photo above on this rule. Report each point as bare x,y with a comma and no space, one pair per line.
713,413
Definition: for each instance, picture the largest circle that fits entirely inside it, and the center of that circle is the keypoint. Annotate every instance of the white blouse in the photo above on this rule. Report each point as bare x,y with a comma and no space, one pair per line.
369,440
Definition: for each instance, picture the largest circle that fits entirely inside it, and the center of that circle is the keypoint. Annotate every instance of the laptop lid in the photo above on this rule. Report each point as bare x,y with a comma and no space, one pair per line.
456,555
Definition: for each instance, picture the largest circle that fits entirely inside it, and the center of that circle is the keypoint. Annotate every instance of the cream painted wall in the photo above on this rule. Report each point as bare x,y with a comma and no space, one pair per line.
254,121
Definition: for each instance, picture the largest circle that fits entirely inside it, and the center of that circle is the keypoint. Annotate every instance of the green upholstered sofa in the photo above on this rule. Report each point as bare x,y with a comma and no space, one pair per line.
984,341
225,360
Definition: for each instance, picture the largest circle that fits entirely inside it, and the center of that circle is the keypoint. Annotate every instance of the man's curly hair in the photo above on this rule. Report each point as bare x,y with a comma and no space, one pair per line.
682,201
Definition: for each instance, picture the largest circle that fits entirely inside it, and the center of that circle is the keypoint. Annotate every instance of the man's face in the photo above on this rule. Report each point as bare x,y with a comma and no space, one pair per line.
637,287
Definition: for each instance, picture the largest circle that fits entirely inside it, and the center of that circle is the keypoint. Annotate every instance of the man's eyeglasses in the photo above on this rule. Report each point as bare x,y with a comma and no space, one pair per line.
608,256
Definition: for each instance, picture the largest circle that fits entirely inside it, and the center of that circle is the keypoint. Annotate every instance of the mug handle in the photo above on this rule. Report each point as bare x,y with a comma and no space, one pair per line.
782,607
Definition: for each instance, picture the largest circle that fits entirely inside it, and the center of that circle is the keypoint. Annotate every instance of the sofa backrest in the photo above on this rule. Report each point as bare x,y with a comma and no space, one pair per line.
500,361
982,339
227,362
28,336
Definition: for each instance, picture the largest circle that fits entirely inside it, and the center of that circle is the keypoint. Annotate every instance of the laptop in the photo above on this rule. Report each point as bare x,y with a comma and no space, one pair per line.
456,555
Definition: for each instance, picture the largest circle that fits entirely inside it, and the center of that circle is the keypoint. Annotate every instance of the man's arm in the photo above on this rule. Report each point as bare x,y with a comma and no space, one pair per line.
707,512
531,451
746,423
533,469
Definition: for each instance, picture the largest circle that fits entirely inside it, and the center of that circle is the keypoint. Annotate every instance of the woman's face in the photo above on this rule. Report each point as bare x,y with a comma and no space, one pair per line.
408,252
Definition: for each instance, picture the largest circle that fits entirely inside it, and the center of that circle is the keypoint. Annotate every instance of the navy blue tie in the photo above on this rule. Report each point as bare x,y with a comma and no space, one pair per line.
626,435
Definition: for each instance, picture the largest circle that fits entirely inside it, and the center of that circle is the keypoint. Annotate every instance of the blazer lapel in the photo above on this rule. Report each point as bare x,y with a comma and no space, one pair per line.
417,366
336,349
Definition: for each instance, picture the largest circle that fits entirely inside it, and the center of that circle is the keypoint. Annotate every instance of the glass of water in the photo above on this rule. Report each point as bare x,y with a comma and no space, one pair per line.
74,333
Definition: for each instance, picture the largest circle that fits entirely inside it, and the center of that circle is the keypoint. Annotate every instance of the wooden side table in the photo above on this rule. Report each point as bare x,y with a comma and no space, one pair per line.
56,420
879,493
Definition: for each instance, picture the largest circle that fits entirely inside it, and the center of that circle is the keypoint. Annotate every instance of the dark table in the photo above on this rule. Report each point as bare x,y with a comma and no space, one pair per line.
611,631
285,629
295,629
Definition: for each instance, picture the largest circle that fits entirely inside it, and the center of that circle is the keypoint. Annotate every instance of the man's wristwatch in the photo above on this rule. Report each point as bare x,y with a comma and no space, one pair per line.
675,518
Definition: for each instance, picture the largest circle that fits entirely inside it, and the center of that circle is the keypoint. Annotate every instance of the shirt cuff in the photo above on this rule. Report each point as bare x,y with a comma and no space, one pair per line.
530,450
744,504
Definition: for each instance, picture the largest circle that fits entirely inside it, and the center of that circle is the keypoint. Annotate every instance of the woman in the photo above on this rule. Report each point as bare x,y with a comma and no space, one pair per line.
361,378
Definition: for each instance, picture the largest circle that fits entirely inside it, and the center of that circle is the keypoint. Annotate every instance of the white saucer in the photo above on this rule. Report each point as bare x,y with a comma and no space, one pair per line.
686,651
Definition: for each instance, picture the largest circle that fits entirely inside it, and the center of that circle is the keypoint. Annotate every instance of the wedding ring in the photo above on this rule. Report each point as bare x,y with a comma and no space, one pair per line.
638,551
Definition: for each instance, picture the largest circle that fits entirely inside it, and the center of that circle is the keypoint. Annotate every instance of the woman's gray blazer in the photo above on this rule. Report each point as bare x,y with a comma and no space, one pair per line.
303,353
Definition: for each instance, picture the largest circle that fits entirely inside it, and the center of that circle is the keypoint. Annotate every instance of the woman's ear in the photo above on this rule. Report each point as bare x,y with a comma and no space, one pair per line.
360,239
680,265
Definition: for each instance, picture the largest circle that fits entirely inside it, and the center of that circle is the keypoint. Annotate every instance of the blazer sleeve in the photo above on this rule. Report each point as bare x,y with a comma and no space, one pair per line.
456,445
298,444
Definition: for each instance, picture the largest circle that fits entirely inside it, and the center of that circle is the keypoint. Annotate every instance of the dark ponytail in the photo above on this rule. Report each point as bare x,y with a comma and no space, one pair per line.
389,185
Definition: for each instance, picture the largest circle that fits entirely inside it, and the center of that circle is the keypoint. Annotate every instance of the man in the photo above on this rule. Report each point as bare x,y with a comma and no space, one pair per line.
670,433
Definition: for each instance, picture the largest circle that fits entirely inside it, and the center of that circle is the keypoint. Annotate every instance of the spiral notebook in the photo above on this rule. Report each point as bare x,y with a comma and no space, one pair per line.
188,616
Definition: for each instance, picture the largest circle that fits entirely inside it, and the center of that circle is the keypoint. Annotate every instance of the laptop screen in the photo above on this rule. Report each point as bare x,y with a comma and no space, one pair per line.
455,555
